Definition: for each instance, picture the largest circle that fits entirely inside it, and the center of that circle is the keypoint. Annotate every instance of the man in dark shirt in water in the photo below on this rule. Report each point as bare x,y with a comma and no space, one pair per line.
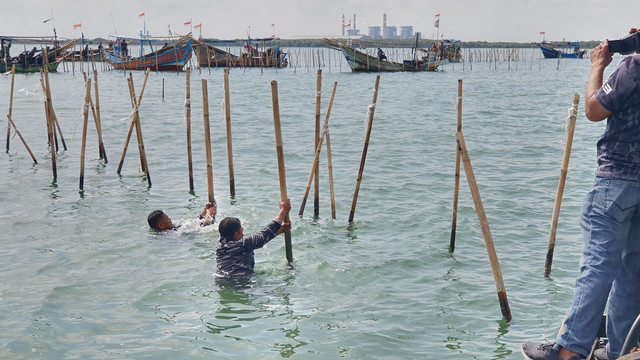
234,253
158,220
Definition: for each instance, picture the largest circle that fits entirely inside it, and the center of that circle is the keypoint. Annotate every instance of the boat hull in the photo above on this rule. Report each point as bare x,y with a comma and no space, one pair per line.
551,53
30,68
172,58
210,56
361,62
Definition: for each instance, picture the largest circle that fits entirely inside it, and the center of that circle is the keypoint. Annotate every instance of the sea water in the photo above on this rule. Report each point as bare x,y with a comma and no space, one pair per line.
83,277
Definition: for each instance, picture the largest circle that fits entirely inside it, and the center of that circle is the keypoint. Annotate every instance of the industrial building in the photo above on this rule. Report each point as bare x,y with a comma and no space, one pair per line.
377,32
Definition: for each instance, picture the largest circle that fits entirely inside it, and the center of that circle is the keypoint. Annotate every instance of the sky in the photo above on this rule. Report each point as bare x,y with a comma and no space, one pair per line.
466,20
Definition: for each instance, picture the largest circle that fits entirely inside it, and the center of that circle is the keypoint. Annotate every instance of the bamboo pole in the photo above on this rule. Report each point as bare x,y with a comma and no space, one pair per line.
281,170
187,112
371,111
456,188
132,125
85,114
207,140
227,113
13,77
52,112
50,129
103,152
330,166
314,167
561,182
136,116
316,175
10,120
484,225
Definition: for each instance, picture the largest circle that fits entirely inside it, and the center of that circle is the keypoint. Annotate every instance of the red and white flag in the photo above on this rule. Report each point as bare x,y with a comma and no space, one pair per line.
77,26
188,23
141,15
198,26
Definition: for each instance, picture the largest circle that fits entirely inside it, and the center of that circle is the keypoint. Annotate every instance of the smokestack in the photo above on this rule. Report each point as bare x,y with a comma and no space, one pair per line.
384,26
354,24
342,24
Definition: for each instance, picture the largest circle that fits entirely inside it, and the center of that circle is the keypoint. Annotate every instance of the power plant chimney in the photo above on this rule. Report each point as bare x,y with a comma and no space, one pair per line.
342,24
384,26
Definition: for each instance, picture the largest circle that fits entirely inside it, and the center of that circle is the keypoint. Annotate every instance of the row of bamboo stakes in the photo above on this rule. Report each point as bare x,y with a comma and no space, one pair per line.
322,134
317,58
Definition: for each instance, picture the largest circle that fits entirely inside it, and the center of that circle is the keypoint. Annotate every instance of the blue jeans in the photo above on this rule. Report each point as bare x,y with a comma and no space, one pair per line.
609,267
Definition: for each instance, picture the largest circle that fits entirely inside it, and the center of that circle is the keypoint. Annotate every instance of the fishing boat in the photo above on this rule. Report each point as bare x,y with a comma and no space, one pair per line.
171,57
35,59
211,56
568,50
266,56
361,61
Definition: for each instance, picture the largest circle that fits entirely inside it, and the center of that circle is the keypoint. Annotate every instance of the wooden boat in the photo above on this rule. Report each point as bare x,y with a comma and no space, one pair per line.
171,57
569,50
33,60
212,56
360,61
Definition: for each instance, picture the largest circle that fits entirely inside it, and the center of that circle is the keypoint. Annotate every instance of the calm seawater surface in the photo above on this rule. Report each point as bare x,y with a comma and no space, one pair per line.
83,277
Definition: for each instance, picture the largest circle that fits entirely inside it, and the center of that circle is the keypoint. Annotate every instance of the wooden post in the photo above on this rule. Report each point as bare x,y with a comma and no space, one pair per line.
13,77
281,170
132,125
227,113
330,166
314,167
162,88
484,225
207,140
102,151
371,111
456,187
316,175
187,111
563,177
50,129
85,114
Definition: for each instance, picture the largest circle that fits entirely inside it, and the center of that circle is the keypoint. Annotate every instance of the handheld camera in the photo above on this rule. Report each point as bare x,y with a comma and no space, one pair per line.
626,45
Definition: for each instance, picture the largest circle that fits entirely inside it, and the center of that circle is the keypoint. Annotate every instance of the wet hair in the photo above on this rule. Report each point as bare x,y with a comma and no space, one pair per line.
229,226
154,217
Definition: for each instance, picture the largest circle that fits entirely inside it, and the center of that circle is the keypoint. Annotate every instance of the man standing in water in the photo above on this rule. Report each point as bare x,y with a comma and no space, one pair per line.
234,253
609,267
160,221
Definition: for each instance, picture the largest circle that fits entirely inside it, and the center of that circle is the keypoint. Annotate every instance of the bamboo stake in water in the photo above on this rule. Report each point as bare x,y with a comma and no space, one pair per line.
484,225
132,125
281,170
563,177
456,188
330,166
207,140
227,113
187,109
50,129
136,122
85,113
10,120
52,112
316,175
13,77
371,111
103,152
314,167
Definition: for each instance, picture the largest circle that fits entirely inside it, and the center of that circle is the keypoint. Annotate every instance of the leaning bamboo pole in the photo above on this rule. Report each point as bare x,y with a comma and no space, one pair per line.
85,114
207,140
227,116
561,182
484,225
314,167
13,78
132,125
10,120
103,152
456,188
370,113
52,112
50,129
281,170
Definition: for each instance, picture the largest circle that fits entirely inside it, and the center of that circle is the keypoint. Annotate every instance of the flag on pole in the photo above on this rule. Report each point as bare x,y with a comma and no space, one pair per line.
188,23
437,23
273,24
349,24
141,15
198,26
542,32
77,26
